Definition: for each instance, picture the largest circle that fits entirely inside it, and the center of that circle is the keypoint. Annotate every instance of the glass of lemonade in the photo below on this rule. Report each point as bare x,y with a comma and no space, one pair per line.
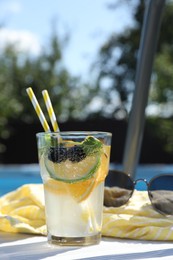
73,168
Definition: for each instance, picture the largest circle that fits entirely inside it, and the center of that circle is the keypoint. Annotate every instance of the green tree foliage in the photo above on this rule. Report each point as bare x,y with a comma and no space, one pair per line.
162,87
117,59
116,62
70,96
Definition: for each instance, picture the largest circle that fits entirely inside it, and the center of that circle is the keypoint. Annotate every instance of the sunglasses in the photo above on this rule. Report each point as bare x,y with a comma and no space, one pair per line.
160,191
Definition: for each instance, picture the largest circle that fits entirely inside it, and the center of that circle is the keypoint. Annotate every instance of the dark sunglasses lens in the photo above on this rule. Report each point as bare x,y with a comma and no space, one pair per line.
161,194
120,189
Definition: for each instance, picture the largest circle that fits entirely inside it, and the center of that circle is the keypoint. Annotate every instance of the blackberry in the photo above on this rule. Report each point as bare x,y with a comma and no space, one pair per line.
57,154
76,154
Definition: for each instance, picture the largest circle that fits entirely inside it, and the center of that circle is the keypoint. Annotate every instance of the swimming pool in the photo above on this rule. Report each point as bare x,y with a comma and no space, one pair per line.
13,176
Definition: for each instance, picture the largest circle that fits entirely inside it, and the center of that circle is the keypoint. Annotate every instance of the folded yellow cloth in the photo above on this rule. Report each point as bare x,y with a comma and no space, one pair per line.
137,220
22,211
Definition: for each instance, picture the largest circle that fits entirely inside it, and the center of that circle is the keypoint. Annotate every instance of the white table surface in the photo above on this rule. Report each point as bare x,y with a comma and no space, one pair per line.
24,247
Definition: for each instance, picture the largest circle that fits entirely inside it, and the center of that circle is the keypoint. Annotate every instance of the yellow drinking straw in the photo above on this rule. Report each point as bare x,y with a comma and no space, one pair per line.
38,109
50,110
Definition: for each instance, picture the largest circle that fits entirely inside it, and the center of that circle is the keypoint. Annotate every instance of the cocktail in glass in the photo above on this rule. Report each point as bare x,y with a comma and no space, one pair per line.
73,168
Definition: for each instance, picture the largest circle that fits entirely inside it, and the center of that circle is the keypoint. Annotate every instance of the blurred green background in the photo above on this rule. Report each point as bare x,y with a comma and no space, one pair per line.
101,101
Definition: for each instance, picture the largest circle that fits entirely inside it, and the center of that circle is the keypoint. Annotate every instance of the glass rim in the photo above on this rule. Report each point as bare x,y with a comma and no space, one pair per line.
74,133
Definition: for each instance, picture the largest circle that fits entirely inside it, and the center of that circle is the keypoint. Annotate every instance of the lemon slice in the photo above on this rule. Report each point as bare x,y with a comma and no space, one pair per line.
78,190
71,172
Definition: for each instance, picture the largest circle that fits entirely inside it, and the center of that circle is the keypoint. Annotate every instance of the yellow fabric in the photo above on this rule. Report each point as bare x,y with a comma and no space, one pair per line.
137,220
23,211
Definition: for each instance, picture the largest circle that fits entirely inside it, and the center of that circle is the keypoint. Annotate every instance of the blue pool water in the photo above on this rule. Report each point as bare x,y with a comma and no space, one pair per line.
12,177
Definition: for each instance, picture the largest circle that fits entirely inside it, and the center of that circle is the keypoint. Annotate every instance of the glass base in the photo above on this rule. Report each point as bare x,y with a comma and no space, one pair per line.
74,241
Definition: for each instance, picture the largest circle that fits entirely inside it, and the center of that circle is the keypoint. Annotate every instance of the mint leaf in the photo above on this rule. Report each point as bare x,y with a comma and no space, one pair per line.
91,145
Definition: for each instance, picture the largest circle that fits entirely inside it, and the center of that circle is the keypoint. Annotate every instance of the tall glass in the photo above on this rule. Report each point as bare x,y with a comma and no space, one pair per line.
73,168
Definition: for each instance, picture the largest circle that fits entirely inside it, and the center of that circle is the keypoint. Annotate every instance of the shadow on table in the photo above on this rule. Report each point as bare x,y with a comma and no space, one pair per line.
34,251
132,256
6,237
156,253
